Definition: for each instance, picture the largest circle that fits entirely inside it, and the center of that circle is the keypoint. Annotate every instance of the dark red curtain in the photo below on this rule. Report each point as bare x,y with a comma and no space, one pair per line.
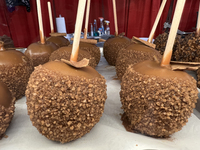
135,17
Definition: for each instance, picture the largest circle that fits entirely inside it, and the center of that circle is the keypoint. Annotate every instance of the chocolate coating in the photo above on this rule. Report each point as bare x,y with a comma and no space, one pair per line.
156,101
92,49
60,41
65,53
134,54
189,49
15,70
67,106
39,53
6,108
5,95
8,42
112,46
57,66
161,41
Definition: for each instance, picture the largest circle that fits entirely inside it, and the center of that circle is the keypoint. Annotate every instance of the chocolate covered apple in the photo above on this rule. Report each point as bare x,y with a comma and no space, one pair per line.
56,38
40,52
64,101
15,70
157,101
6,108
112,47
65,53
134,54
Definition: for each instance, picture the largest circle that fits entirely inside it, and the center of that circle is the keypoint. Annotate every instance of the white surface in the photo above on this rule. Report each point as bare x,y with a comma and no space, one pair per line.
108,134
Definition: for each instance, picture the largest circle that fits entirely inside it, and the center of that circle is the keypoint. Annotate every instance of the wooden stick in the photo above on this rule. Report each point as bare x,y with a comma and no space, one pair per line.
150,40
172,34
77,34
41,31
91,41
50,17
115,17
87,19
198,22
137,40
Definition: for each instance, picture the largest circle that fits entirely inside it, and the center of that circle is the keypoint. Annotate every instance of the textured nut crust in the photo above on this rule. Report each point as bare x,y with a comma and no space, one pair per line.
155,106
161,41
16,77
128,57
198,78
110,51
39,59
6,115
62,54
189,49
64,108
93,51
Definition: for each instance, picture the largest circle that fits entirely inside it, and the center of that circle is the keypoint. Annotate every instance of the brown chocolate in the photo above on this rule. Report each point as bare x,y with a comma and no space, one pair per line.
156,101
6,108
5,95
65,53
161,41
188,49
8,42
60,41
134,54
153,68
92,49
112,47
15,69
62,106
58,66
39,53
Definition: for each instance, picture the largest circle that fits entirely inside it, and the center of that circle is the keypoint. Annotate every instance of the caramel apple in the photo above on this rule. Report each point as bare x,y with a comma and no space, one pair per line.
65,53
39,53
134,54
56,38
161,41
60,41
8,42
112,46
68,101
156,101
15,70
188,50
6,108
92,49
64,102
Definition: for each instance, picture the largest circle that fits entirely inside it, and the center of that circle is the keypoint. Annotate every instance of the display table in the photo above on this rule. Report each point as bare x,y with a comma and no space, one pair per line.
108,134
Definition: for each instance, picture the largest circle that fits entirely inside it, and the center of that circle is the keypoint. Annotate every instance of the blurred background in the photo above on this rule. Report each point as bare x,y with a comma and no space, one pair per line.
135,17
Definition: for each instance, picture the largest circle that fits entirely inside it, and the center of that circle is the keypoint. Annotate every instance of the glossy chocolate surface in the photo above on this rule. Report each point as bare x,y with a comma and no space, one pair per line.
58,40
10,57
5,95
37,49
149,67
118,39
58,66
